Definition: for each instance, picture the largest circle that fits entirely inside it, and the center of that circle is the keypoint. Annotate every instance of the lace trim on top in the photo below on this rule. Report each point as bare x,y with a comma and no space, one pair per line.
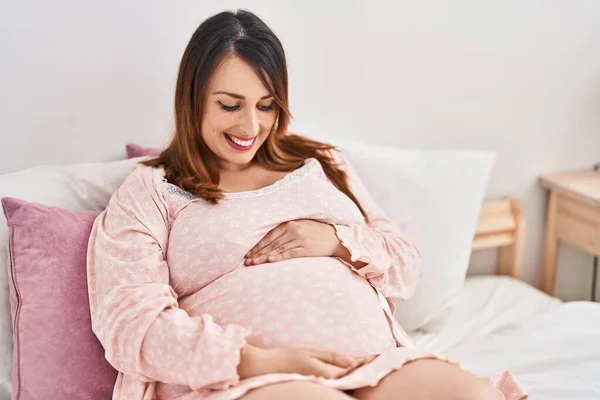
178,193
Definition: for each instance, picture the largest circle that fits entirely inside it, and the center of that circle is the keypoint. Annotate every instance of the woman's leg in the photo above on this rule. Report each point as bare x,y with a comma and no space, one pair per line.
429,379
295,391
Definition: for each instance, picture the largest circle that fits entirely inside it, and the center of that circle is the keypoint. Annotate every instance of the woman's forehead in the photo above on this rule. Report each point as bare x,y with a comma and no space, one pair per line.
234,75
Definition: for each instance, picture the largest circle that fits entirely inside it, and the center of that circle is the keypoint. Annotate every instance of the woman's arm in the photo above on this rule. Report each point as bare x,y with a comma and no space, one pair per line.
377,251
135,313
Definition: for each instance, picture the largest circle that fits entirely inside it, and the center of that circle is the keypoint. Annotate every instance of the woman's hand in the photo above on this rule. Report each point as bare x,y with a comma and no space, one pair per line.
257,361
298,238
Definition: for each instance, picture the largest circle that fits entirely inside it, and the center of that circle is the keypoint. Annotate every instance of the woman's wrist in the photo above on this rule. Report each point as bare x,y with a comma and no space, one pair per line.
248,359
255,361
340,251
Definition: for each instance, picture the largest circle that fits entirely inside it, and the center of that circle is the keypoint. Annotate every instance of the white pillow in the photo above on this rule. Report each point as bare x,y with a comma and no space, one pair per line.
74,187
435,197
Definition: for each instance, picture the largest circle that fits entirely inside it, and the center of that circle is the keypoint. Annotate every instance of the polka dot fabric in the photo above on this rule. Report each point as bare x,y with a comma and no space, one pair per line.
173,303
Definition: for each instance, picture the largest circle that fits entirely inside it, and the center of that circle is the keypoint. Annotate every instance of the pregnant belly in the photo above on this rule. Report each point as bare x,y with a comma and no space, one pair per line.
315,302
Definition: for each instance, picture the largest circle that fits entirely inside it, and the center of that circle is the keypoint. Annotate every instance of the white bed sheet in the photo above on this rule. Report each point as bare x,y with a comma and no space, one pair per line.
551,347
485,304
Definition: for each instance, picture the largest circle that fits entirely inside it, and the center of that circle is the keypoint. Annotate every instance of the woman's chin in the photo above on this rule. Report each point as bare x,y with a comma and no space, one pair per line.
237,161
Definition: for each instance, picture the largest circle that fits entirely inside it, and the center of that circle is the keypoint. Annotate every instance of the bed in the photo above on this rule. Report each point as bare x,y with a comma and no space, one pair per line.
499,322
495,322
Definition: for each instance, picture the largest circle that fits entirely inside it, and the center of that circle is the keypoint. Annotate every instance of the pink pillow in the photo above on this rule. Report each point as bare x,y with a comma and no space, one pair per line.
134,150
56,354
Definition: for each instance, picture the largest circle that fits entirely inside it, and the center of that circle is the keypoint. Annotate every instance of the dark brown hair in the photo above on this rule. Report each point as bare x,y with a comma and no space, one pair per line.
187,160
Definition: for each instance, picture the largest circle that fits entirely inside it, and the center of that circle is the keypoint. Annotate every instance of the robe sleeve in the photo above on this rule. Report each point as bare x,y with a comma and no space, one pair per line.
393,263
135,313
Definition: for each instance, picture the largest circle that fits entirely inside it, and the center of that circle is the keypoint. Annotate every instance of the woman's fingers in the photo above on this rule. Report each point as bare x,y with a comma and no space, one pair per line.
277,246
286,255
308,361
337,359
326,370
289,251
267,240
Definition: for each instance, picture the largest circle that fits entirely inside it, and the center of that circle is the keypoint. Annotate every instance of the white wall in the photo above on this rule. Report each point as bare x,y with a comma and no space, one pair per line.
80,79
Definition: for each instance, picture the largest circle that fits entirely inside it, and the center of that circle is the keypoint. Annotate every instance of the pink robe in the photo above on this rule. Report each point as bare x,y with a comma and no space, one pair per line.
172,302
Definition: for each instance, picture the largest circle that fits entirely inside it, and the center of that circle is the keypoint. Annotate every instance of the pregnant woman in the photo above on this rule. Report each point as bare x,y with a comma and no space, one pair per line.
245,262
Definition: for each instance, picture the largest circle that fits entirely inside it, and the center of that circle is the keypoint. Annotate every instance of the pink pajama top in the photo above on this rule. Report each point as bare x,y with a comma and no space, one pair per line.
173,303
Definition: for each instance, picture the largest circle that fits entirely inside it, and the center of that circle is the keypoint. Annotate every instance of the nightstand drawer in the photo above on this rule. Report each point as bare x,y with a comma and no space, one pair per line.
578,224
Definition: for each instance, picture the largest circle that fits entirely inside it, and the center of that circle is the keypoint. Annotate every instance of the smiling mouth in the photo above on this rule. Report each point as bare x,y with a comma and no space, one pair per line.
240,143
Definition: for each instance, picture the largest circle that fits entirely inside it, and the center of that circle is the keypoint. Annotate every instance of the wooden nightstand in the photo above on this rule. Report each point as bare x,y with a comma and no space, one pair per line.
573,217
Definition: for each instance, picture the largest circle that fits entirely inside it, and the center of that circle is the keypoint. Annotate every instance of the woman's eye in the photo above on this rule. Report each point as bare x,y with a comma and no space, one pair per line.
235,108
228,108
266,108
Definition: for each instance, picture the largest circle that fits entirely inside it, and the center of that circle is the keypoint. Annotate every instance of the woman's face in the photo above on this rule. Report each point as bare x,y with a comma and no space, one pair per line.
238,114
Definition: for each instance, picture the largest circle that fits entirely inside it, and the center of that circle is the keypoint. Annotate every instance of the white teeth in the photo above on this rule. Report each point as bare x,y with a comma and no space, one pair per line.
243,143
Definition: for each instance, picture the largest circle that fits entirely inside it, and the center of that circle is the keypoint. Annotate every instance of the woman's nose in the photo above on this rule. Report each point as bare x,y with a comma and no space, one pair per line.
251,123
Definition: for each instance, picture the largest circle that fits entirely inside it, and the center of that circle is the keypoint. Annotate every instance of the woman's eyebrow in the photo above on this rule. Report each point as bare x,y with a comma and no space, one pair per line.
240,97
